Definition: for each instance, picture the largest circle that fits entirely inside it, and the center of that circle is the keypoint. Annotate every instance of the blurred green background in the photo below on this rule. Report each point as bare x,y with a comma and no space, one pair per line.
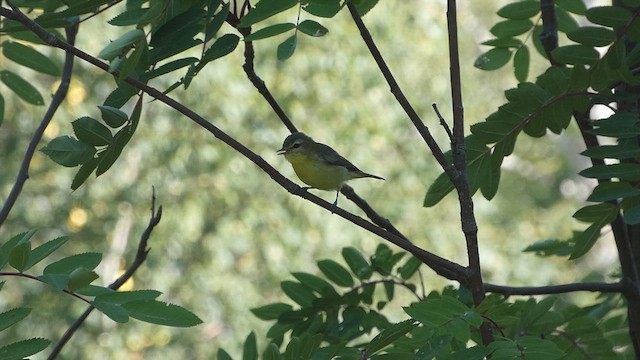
229,234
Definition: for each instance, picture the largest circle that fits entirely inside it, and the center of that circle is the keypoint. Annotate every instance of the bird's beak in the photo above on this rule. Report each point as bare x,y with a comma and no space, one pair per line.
281,151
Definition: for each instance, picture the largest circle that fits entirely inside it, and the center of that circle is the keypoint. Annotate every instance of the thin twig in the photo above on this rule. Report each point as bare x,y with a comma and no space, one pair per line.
555,289
141,256
444,124
56,101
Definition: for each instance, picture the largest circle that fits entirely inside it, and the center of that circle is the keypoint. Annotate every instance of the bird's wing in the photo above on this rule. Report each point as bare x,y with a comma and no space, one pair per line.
332,157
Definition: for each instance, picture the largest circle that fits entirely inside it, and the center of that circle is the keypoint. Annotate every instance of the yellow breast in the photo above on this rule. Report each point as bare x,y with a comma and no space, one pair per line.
316,173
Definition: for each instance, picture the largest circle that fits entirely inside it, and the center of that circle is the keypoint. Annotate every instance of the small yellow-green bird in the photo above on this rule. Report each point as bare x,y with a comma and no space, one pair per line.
318,165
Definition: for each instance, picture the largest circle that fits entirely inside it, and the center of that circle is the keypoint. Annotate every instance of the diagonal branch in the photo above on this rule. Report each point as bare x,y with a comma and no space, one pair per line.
141,256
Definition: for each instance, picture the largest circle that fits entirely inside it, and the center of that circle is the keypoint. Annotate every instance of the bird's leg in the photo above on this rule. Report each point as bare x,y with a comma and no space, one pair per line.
335,203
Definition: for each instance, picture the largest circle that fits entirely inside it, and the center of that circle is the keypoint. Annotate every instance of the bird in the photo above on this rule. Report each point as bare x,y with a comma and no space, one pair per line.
318,165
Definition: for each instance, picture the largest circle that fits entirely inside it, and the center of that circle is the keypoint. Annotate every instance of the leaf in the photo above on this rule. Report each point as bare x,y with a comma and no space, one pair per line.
271,311
22,88
29,57
89,260
298,292
612,191
622,151
137,60
612,16
575,55
169,67
335,272
221,47
129,17
322,8
574,6
270,31
250,347
592,36
409,268
24,348
287,48
437,190
68,151
620,171
594,213
90,131
1,109
357,263
312,28
493,59
504,43
390,335
122,297
19,256
218,20
115,312
265,9
364,6
112,116
44,250
161,313
57,281
550,247
511,28
80,277
13,316
84,172
116,47
519,10
317,284
272,352
223,355
586,239
521,63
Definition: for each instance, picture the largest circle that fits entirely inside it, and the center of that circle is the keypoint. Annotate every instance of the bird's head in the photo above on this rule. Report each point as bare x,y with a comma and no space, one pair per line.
295,143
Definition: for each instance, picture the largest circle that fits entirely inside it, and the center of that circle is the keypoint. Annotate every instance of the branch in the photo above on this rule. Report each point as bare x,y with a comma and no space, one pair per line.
442,266
141,256
549,35
56,101
555,289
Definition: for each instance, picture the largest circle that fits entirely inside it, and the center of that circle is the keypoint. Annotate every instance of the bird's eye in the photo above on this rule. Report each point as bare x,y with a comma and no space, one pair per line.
296,145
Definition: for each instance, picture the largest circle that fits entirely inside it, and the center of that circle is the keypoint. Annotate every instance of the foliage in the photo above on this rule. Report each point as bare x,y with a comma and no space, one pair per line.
342,313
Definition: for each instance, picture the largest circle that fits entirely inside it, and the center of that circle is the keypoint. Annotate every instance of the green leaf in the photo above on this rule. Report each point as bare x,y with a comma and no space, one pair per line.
84,172
357,263
390,335
504,43
299,293
312,28
364,6
8,246
550,247
29,57
519,10
217,21
121,139
536,348
44,250
129,17
622,151
80,278
90,131
112,116
493,59
317,284
161,313
224,45
223,355
118,46
272,352
437,190
586,239
511,28
575,55
19,256
270,31
22,88
574,6
287,48
13,316
322,8
68,151
89,260
137,60
409,268
115,312
122,297
23,349
250,347
592,36
566,22
271,311
120,95
521,63
265,9
612,16
612,191
57,281
621,171
594,213
169,67
335,272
